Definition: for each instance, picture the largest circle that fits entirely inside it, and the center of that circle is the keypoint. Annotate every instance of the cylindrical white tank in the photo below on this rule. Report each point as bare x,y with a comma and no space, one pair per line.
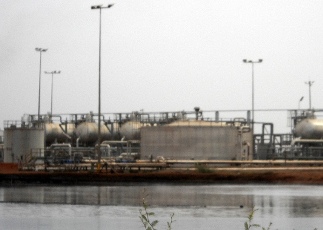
18,142
309,129
88,132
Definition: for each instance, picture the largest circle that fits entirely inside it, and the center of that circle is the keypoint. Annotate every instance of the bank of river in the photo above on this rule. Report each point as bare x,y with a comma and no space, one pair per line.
9,174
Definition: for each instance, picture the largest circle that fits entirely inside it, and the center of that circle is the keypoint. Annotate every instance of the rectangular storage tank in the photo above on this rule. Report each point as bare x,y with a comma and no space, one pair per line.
196,142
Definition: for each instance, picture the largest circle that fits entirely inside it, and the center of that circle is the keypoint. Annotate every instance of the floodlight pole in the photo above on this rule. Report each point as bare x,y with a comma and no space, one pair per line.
40,50
253,87
51,98
100,7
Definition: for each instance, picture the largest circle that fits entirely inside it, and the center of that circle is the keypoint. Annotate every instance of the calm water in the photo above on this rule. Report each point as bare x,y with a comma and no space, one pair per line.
195,207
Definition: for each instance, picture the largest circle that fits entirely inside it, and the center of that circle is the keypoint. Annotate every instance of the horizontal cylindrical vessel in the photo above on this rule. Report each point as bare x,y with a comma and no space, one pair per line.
130,130
88,132
53,132
309,129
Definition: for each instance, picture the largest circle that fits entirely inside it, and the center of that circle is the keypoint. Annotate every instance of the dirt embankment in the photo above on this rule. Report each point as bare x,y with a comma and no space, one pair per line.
7,168
9,174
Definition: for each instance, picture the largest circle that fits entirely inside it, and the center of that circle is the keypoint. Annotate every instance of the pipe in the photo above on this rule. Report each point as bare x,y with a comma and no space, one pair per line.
244,129
63,145
107,146
299,140
66,135
60,117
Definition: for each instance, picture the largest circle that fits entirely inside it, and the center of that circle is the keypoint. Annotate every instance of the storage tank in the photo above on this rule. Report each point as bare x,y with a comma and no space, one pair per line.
53,133
131,130
68,128
88,132
18,143
309,129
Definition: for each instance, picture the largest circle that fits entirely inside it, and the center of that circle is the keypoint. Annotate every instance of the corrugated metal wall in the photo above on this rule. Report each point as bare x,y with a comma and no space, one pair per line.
194,142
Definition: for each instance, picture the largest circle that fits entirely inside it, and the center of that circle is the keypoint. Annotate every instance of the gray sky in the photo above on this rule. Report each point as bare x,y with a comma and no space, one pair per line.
161,55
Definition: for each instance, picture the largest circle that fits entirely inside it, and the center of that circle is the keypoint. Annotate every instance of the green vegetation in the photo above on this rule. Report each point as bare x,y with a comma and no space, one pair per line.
145,216
202,168
248,224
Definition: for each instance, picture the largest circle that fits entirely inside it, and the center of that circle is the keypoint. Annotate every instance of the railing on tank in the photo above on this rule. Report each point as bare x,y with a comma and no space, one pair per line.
12,124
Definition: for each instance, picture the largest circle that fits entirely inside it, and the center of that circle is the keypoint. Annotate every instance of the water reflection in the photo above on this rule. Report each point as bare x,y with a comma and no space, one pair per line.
195,207
277,201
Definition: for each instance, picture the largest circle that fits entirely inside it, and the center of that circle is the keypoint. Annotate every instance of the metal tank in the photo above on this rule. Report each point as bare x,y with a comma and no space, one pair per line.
53,133
68,129
309,129
88,132
18,143
131,130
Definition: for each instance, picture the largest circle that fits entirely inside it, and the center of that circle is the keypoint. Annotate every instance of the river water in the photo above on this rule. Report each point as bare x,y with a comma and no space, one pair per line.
194,206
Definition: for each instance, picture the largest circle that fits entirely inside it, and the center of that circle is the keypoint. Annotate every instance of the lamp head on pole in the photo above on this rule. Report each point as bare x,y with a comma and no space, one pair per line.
96,7
101,6
41,50
53,72
251,61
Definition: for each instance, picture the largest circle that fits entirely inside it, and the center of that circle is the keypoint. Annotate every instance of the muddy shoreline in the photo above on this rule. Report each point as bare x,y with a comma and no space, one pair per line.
10,175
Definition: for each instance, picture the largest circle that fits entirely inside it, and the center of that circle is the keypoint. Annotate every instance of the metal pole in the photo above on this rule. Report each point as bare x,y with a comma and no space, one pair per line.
52,89
39,89
253,88
253,95
99,118
99,106
51,96
253,99
309,83
40,50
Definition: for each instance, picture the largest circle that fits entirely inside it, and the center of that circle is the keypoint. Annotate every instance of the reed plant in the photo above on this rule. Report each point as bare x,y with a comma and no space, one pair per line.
146,216
249,225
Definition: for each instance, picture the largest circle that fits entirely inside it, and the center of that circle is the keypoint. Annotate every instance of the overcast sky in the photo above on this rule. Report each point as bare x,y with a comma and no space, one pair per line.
168,55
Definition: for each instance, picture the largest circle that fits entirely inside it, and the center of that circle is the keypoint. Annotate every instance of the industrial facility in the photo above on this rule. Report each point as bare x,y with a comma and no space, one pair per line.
184,135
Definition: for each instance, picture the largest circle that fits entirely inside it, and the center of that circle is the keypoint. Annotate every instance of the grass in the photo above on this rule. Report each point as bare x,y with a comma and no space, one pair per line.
202,168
